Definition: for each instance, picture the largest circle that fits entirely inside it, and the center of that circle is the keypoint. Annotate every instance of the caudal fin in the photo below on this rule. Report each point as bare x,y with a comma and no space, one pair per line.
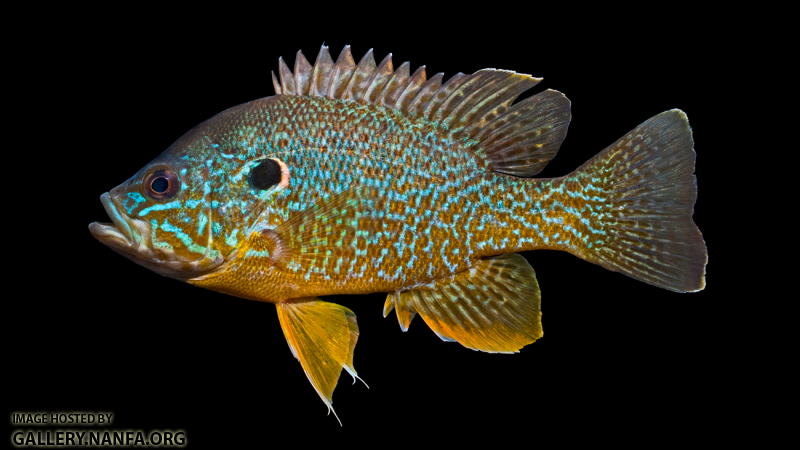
647,190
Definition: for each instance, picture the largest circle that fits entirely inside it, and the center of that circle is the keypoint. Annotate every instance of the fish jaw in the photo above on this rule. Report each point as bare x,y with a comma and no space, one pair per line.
117,234
131,238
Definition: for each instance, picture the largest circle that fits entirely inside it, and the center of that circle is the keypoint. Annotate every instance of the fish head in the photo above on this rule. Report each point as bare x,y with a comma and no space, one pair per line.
186,211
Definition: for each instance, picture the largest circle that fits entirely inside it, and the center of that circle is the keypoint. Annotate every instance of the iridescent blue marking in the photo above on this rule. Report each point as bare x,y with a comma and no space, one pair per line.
160,207
136,197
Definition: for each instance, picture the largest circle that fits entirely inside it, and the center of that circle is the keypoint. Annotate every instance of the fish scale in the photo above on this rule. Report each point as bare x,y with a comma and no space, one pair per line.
358,178
429,177
456,215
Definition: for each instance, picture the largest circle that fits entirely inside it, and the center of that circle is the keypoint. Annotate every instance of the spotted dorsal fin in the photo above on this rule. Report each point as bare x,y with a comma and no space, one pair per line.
476,109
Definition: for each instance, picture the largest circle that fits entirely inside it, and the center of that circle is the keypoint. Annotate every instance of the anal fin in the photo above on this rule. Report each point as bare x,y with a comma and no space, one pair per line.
322,336
494,307
404,312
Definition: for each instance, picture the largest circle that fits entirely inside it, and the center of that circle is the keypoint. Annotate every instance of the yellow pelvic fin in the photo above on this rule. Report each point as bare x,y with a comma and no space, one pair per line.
494,307
322,336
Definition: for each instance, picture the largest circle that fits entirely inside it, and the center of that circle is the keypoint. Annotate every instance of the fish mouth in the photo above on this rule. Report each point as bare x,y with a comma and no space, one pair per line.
131,238
119,232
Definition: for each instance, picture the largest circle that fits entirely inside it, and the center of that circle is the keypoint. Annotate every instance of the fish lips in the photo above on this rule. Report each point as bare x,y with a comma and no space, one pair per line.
130,238
118,234
121,237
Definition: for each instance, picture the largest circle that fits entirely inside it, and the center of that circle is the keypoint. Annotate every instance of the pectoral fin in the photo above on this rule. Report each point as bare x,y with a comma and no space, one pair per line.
494,307
322,336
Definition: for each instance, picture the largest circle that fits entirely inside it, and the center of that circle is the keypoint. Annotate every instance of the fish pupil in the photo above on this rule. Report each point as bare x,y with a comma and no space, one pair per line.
160,185
266,174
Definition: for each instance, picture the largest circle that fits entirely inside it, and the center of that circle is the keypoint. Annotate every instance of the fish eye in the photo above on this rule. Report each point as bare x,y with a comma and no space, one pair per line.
266,174
161,185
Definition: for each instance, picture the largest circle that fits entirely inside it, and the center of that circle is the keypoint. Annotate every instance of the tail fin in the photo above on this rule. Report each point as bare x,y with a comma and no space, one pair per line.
648,189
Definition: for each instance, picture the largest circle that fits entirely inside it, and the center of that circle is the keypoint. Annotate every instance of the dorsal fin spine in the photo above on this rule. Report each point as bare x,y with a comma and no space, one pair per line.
302,72
443,93
425,93
321,74
287,78
391,84
397,80
473,109
341,73
276,85
410,90
378,80
360,77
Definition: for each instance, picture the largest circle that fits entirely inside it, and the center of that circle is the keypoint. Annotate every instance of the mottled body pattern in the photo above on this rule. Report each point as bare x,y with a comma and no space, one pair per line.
444,209
361,178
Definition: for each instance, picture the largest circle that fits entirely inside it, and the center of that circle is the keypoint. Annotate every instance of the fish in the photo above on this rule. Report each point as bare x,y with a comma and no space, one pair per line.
358,178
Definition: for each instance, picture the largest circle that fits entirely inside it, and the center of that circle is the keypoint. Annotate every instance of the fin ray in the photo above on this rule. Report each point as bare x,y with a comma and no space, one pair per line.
362,74
494,307
647,180
378,80
425,93
341,73
523,140
321,74
394,86
287,78
416,81
388,305
302,74
322,336
276,85
477,109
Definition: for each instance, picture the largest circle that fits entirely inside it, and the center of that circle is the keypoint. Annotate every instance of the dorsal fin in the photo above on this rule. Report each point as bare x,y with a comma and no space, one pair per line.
414,84
287,78
341,73
394,87
425,93
378,79
302,74
361,76
321,74
517,140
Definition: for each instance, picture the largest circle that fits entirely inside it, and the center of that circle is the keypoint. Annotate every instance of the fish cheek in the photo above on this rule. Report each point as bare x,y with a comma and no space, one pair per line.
178,234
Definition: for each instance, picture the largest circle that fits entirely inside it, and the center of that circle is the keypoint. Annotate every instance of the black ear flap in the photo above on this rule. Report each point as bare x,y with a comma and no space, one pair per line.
265,175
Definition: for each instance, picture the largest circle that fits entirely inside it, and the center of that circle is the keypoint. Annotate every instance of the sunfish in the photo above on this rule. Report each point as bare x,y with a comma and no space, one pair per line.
363,178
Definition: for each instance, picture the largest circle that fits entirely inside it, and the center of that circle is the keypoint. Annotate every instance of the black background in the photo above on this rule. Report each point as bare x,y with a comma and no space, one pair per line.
92,331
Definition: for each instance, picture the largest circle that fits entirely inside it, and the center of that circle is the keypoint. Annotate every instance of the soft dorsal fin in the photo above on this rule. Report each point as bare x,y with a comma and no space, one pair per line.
517,140
494,307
